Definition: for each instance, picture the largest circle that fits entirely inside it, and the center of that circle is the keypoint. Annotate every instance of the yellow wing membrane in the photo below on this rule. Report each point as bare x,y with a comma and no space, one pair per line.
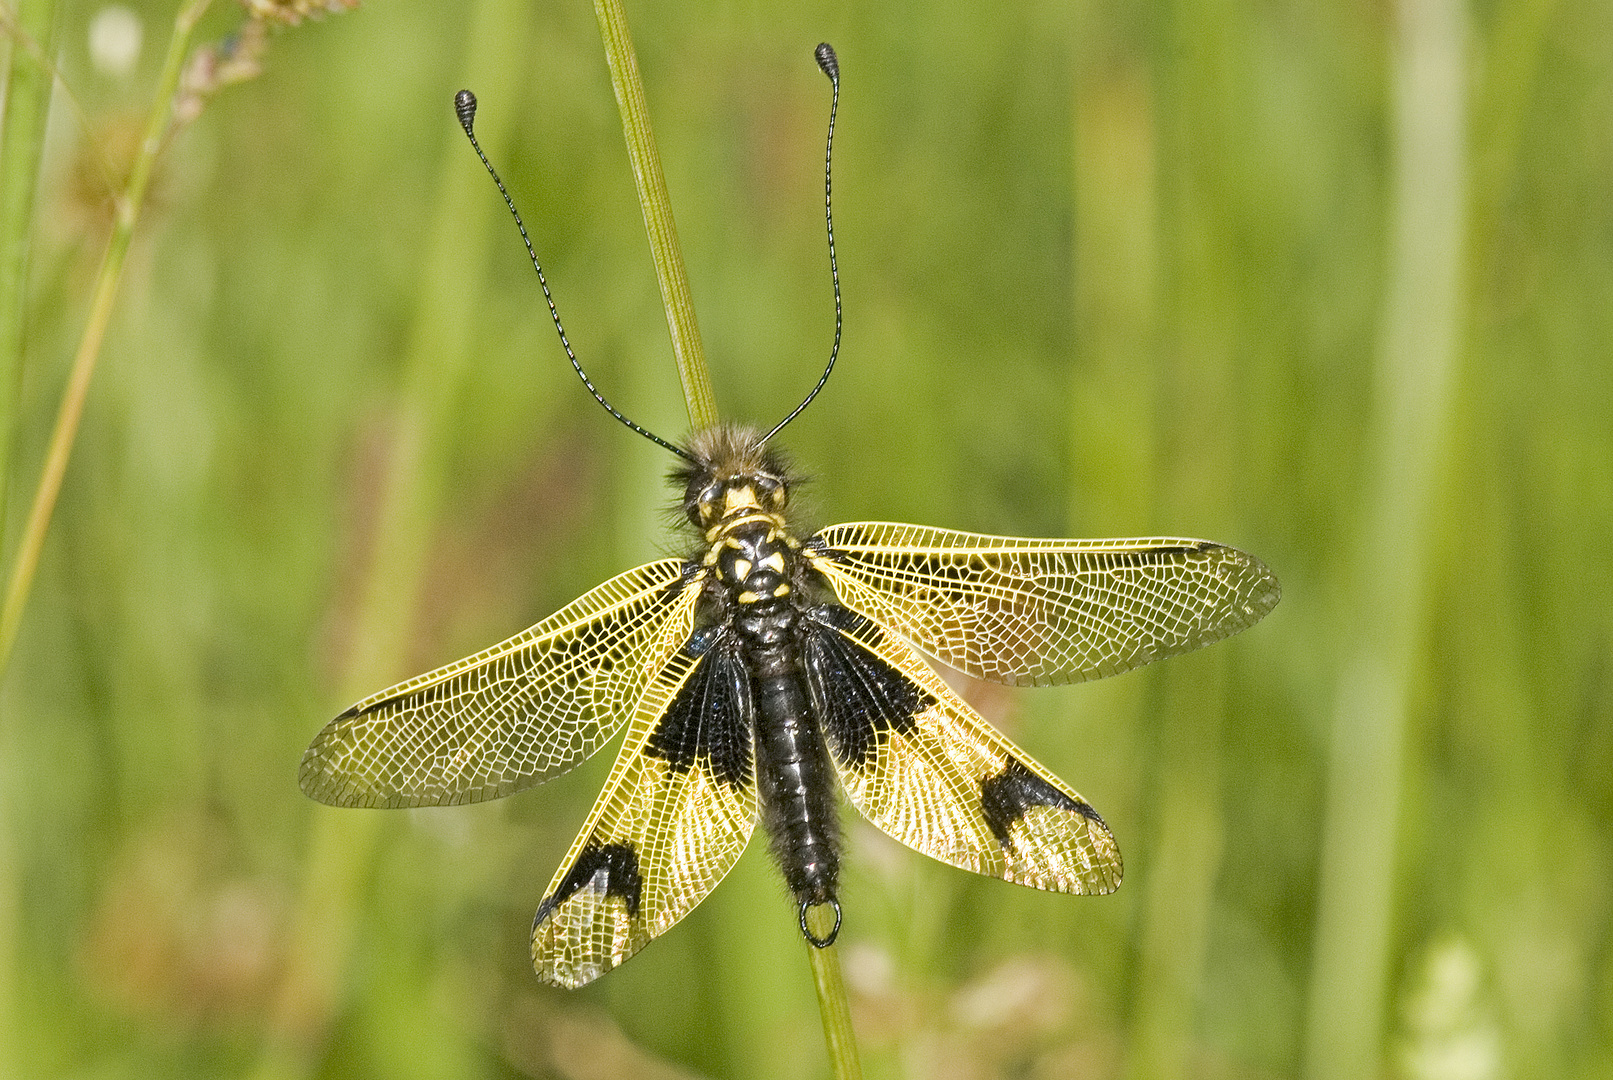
511,716
672,819
1041,612
928,770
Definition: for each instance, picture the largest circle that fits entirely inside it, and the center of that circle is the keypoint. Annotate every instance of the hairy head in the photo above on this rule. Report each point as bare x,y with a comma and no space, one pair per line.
729,466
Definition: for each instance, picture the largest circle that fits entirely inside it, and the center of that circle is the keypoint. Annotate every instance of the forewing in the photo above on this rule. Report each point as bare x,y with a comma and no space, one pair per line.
1039,612
675,814
922,765
514,715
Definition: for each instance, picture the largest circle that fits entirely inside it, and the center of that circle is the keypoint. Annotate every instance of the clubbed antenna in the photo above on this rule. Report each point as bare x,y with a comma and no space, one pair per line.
831,67
465,109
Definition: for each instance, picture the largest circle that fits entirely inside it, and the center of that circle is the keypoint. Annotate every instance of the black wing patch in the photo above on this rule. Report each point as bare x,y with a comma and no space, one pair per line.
1007,797
676,812
859,696
710,720
611,870
922,765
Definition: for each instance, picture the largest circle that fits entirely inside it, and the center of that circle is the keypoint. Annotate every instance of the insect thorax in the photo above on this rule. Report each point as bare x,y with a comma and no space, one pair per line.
754,559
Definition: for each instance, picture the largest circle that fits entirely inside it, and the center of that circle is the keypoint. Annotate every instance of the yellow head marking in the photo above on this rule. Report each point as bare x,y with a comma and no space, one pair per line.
739,497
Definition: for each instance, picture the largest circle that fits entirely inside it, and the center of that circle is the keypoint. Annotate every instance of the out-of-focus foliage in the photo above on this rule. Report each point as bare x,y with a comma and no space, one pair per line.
1109,269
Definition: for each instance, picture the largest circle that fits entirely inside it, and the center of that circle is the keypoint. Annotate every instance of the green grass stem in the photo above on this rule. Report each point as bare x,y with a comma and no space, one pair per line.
839,1040
1414,380
687,350
1195,453
25,563
22,141
696,381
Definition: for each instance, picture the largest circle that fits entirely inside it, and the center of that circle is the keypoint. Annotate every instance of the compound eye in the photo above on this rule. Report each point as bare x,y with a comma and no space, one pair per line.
707,507
771,491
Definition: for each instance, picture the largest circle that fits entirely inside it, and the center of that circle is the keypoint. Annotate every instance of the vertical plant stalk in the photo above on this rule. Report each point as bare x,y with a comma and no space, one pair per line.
22,142
1194,383
1414,377
697,395
127,214
687,350
838,1038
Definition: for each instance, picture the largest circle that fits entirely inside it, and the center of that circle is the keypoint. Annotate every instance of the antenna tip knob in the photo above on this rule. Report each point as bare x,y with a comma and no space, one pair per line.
465,109
827,60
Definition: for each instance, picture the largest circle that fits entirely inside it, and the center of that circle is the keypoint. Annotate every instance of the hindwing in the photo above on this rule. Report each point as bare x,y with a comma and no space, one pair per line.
1040,612
922,765
675,814
511,716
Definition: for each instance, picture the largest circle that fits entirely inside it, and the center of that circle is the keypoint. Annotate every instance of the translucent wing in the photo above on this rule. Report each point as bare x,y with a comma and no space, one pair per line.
922,765
514,715
1038,612
675,814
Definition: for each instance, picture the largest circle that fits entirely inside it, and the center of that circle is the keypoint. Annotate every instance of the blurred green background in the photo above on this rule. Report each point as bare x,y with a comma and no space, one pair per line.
1330,282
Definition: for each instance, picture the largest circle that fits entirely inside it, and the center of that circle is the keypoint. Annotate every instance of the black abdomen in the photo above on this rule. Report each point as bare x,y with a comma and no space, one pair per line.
794,778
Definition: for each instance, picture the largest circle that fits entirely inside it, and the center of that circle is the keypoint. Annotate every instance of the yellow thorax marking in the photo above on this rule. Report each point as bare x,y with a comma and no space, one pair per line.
722,532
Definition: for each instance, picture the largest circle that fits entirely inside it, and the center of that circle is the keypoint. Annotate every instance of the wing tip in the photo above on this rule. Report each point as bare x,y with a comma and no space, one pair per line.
1262,593
1257,594
1269,596
313,780
551,941
323,782
1109,884
550,965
